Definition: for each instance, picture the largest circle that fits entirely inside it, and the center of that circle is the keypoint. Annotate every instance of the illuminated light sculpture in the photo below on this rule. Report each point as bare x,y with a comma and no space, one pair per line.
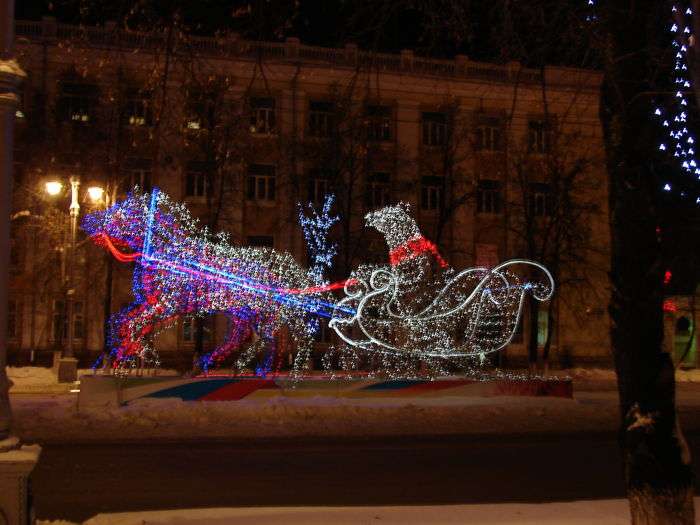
419,308
416,309
183,270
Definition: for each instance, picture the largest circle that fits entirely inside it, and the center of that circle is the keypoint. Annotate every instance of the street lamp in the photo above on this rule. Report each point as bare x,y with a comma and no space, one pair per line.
68,366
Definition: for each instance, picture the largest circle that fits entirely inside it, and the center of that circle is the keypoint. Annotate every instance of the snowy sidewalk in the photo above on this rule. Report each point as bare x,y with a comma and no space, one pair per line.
600,512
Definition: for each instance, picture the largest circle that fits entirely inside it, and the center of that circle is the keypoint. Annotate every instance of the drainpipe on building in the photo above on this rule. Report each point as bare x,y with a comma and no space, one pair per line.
16,461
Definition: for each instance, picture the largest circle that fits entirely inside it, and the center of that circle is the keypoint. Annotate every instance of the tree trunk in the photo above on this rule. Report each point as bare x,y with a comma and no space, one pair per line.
657,466
107,306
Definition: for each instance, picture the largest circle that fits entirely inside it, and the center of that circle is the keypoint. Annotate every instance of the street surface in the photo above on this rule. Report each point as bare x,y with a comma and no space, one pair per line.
75,482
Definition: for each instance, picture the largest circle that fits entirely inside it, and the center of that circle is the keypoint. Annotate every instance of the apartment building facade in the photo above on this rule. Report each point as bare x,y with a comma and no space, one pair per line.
496,161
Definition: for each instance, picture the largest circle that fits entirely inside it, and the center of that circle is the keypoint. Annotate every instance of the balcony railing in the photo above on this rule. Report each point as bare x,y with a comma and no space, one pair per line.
110,36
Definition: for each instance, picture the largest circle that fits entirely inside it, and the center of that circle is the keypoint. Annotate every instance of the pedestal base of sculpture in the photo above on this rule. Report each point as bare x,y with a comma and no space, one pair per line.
16,464
67,369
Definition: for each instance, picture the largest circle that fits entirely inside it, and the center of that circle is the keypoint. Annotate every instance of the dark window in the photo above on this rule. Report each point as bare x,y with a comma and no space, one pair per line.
265,241
489,134
319,183
12,319
137,172
260,183
434,129
15,252
59,324
196,179
78,320
77,103
378,123
137,110
488,196
538,136
378,190
431,193
321,119
540,199
323,334
262,115
189,330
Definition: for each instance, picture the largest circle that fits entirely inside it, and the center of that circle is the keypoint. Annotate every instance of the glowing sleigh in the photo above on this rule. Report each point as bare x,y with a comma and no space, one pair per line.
476,312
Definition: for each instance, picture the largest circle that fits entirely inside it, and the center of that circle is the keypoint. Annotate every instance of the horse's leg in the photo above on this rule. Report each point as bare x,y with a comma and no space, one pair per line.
267,334
302,333
134,324
237,331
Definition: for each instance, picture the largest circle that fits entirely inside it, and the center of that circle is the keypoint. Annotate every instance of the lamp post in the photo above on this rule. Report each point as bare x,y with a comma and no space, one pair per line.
66,366
15,465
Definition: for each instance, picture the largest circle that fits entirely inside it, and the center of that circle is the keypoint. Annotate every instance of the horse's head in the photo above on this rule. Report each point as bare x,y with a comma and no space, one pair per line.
395,223
124,224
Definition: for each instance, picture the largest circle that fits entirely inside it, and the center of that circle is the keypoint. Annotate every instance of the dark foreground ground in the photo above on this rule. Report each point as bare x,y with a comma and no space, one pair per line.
74,481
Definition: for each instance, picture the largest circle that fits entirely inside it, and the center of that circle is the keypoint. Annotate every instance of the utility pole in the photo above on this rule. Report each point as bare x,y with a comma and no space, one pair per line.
16,462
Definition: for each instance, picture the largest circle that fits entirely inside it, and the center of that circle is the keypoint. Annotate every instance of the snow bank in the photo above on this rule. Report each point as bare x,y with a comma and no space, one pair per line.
34,379
601,512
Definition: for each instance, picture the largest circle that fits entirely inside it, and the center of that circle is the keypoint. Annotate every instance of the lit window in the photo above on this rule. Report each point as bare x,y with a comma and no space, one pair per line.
378,192
488,196
431,193
378,123
137,108
261,183
321,119
262,115
434,129
77,102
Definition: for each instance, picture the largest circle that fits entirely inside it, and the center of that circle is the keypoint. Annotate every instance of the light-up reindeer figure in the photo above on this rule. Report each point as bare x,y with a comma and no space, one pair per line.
182,270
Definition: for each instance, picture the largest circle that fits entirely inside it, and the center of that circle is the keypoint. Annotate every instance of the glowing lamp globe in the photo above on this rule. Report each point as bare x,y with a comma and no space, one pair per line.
53,187
95,193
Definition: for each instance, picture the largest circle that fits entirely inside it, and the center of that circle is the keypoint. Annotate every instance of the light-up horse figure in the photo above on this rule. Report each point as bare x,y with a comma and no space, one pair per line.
181,270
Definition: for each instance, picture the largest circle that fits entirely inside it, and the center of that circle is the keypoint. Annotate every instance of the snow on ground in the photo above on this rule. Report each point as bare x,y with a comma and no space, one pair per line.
35,379
601,512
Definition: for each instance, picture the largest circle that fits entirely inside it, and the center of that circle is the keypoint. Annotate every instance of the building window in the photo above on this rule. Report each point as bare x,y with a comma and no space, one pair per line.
321,119
378,123
137,172
319,183
261,183
378,190
77,102
59,320
431,193
196,180
262,241
189,330
13,328
538,136
540,199
15,252
262,115
137,108
489,134
434,129
200,110
78,320
323,334
488,196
